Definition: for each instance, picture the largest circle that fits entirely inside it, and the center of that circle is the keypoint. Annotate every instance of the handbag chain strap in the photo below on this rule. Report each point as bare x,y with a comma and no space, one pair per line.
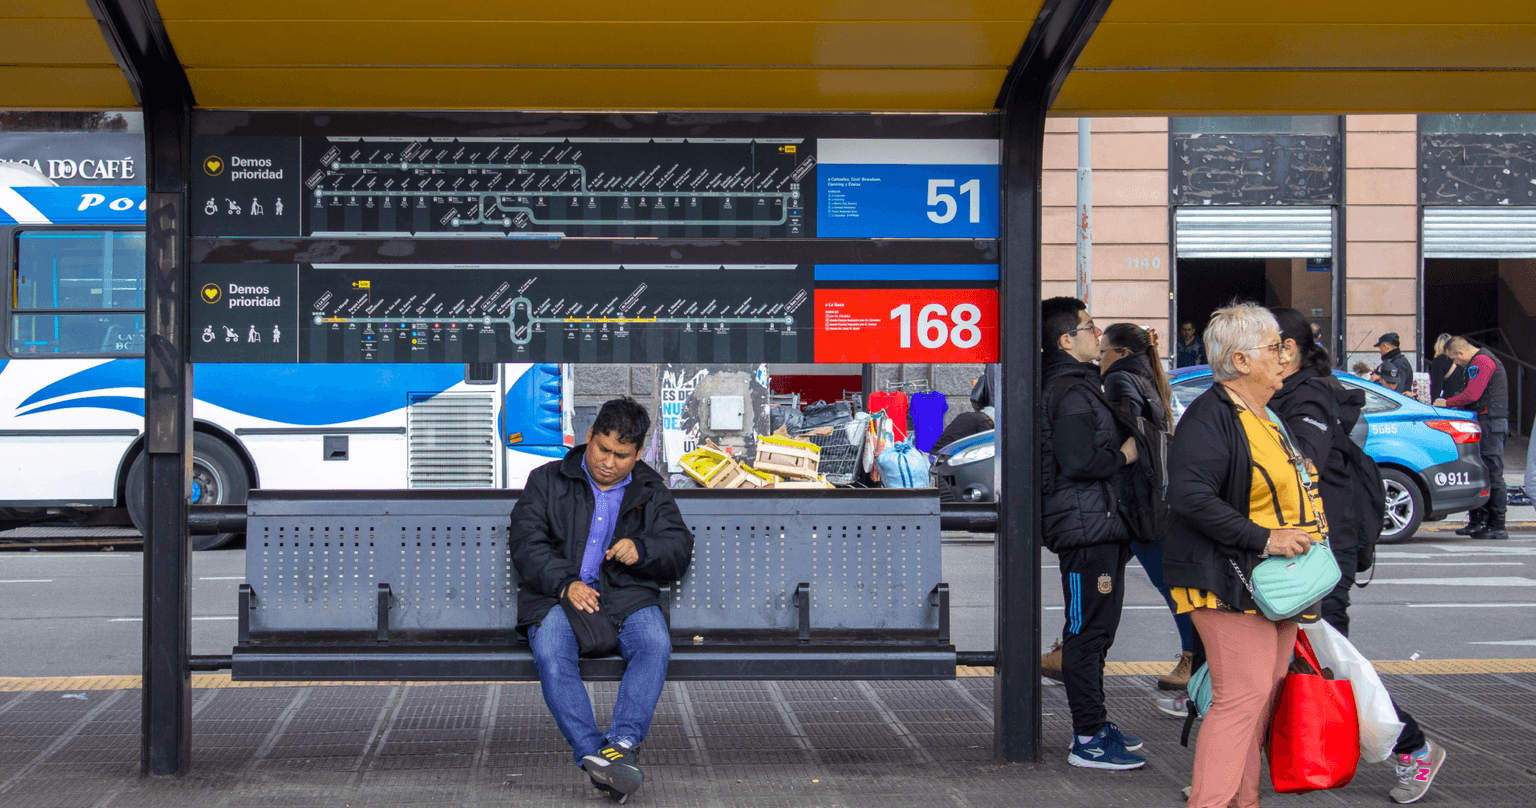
1308,489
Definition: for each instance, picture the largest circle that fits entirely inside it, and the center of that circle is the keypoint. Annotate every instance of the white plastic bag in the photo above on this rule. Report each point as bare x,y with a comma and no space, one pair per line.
1379,726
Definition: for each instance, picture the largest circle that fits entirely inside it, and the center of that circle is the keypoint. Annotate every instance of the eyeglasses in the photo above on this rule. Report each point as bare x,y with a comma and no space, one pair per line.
1089,327
1277,347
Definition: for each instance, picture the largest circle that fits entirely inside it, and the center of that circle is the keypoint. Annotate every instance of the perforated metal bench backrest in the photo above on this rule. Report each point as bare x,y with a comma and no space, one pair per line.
315,562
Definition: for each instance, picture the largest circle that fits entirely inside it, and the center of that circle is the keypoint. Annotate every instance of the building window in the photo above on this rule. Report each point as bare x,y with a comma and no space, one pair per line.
1257,125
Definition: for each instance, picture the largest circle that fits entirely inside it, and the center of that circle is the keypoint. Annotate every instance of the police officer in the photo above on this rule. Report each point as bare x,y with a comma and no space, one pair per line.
1395,372
1487,394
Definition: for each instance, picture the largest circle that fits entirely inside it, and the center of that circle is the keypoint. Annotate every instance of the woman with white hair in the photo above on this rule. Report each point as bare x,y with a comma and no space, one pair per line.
1237,494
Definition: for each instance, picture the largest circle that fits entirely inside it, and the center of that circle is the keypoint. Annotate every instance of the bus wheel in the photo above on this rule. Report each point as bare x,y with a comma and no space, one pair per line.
218,478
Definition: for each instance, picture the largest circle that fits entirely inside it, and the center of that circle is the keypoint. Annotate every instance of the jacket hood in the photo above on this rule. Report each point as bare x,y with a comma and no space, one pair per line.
1296,380
1135,363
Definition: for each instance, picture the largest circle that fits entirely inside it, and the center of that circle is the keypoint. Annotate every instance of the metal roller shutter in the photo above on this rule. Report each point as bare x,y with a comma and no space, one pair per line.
1480,232
1254,232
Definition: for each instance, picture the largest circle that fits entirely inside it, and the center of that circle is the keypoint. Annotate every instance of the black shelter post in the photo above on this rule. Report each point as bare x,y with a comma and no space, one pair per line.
137,37
1058,36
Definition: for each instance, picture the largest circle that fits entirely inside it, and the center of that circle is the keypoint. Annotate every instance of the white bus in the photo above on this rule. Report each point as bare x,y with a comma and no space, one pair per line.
72,397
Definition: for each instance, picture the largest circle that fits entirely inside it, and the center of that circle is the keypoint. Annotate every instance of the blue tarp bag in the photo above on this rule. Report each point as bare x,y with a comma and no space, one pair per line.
903,466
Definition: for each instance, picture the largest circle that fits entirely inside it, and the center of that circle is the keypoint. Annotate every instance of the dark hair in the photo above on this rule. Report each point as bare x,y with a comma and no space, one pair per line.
1295,326
1058,316
1135,339
624,419
1190,323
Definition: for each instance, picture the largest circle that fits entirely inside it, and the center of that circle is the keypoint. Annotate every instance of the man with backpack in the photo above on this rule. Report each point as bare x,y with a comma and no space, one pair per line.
1085,457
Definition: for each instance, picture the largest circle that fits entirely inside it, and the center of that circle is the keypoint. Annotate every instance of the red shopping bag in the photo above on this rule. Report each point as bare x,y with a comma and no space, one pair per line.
1314,737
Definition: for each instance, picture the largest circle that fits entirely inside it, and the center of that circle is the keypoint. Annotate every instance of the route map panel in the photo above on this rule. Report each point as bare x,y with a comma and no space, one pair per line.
534,187
591,313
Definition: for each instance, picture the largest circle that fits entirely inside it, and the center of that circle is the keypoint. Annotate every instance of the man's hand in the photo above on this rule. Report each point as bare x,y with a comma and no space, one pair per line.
1439,402
582,596
1129,450
624,551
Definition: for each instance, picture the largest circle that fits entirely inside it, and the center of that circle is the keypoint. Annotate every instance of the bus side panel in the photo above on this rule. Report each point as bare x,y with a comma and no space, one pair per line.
298,462
83,415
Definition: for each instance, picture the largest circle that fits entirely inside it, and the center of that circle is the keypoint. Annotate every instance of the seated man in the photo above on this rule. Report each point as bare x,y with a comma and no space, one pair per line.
564,548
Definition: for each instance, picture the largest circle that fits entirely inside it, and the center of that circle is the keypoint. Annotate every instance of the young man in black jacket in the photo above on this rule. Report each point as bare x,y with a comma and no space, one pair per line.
1086,458
596,534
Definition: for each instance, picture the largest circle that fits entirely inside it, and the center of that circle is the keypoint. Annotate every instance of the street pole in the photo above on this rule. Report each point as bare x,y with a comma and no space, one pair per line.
1085,212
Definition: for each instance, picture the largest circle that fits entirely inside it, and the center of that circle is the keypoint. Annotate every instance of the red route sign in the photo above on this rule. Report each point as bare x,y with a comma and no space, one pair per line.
906,325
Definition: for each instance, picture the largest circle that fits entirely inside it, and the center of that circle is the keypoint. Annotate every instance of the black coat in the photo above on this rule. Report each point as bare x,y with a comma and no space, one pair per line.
1309,405
1085,473
1131,379
1210,478
549,530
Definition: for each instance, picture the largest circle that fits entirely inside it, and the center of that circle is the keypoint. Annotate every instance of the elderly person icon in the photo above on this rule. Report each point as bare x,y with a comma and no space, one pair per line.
1237,494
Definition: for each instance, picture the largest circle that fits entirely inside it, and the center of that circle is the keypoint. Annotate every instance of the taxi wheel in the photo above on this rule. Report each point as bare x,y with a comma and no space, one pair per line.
1405,506
218,478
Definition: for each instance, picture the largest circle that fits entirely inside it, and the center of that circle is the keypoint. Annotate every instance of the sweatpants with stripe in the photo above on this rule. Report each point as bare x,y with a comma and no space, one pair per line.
1093,587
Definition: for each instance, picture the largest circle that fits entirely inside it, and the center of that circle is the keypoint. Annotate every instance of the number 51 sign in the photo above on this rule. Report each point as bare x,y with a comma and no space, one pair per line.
906,325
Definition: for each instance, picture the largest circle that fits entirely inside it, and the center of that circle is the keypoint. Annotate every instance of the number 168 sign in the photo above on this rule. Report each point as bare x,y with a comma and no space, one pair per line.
906,325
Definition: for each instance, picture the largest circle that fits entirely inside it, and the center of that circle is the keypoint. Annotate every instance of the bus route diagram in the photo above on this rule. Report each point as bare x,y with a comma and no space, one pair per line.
553,187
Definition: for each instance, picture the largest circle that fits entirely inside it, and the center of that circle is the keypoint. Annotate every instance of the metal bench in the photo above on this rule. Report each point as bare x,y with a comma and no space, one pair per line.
418,585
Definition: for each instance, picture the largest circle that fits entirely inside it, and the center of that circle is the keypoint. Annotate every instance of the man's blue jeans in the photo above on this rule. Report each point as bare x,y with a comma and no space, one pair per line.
646,647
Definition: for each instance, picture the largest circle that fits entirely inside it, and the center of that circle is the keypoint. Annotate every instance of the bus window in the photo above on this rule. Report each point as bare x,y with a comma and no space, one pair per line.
78,293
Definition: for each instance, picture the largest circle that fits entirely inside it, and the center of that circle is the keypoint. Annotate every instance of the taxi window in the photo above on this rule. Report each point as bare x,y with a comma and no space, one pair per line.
1185,391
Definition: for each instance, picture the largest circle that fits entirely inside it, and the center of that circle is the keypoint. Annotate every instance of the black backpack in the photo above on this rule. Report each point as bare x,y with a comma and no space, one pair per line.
1367,476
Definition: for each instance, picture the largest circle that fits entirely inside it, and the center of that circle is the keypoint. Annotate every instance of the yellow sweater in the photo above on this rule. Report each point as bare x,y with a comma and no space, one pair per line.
1276,498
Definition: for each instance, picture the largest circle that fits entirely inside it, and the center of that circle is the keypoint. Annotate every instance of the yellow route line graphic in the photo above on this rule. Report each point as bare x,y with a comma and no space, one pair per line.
1420,667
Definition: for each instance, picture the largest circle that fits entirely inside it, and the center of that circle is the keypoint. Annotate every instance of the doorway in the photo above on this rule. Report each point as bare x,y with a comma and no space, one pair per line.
1202,285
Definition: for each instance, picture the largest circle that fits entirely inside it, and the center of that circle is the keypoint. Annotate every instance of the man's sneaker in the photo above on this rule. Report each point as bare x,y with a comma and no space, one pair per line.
1126,739
1415,772
1104,751
1178,706
614,771
1178,678
1050,663
1486,533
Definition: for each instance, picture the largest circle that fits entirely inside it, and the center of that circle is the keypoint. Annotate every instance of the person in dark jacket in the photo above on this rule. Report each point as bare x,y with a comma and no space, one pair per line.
598,532
1190,349
1085,456
1446,378
1395,371
1309,404
1236,494
1134,377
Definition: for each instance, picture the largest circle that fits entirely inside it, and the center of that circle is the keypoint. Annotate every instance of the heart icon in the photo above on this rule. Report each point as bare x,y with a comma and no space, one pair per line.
213,166
211,293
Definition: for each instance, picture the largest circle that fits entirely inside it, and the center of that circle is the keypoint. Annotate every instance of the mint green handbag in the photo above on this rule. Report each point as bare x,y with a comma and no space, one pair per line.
1285,587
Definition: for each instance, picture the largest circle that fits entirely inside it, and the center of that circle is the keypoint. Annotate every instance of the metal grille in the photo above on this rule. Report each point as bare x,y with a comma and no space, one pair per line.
1480,232
870,562
452,440
317,564
1254,232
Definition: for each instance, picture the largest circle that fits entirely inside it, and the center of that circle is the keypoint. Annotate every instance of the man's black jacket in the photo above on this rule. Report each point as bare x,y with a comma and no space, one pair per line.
1309,404
1210,480
550,523
1395,372
1086,475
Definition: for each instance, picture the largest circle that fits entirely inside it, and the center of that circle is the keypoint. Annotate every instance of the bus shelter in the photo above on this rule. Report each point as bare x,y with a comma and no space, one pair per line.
867,173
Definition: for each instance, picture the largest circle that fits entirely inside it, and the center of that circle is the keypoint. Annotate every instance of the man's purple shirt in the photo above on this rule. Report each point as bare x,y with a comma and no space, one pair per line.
605,512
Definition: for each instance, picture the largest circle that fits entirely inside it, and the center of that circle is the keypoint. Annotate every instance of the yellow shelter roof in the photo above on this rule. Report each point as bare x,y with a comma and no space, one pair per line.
1147,57
52,55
